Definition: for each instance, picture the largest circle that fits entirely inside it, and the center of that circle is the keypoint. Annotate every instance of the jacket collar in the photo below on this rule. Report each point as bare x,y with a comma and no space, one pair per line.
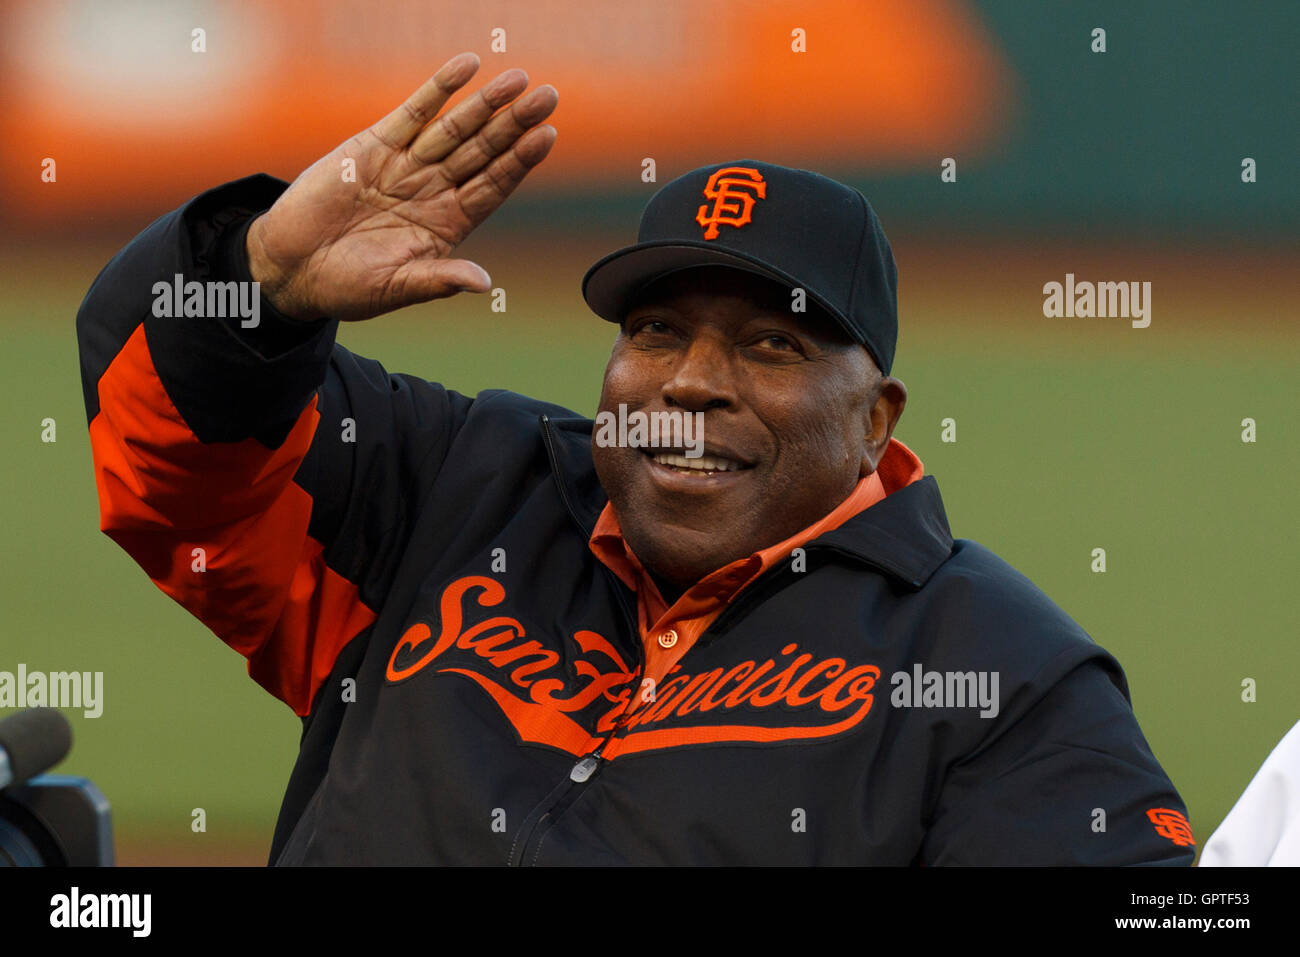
905,536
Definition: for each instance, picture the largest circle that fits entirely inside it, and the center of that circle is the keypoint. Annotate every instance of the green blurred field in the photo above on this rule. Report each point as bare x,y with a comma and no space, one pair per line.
1072,434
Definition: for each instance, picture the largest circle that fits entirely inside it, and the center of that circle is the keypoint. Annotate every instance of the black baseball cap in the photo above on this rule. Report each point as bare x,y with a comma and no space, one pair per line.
794,226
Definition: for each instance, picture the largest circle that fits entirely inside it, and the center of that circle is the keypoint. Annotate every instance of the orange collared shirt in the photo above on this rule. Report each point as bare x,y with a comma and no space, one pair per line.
667,633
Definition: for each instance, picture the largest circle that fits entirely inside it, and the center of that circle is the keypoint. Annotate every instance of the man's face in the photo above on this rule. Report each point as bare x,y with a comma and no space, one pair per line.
798,411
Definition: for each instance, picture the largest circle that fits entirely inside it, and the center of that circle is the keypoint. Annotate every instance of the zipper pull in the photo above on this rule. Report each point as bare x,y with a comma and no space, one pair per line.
585,768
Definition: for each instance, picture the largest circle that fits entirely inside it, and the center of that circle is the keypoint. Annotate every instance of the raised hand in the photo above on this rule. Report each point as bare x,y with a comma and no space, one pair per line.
353,250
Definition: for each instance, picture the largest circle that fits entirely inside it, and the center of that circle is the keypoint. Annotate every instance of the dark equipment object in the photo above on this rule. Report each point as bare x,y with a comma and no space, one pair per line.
50,820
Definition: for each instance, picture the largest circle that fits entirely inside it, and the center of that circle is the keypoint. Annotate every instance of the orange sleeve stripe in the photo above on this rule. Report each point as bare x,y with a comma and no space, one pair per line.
323,613
265,589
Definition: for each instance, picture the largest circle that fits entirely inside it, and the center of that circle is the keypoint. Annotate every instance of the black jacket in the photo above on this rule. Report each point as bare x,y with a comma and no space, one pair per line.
422,593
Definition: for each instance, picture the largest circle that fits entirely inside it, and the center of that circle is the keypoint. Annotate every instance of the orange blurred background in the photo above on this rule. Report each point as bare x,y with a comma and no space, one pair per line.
118,96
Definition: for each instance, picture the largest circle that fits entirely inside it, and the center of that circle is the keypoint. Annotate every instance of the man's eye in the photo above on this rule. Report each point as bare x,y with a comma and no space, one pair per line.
780,343
651,326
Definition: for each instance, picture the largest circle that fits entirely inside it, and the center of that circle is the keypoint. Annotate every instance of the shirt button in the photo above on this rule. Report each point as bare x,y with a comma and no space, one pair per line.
667,638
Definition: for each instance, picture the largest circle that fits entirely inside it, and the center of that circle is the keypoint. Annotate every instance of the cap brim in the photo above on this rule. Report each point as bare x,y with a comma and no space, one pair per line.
611,284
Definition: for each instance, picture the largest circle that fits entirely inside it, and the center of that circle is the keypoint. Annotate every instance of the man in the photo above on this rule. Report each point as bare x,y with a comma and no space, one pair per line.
519,636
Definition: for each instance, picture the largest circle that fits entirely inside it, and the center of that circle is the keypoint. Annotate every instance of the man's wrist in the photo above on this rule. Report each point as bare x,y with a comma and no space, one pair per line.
263,271
276,334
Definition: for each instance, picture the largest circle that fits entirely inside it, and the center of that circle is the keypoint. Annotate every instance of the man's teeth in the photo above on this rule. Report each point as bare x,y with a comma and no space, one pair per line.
705,463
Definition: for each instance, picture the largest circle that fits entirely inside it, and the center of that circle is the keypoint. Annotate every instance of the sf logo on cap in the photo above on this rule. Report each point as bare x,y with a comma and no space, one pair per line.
732,190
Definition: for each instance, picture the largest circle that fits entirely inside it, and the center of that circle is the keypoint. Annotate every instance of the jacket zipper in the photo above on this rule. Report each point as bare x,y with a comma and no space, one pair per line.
580,775
525,850
585,769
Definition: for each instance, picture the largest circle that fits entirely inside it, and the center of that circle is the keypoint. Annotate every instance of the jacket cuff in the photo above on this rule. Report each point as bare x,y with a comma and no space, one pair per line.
232,382
275,333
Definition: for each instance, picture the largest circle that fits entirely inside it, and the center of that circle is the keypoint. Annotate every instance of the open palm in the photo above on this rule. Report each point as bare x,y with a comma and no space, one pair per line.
351,240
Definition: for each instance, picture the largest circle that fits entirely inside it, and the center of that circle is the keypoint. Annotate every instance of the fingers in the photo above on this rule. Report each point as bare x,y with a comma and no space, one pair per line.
500,133
457,125
399,127
485,192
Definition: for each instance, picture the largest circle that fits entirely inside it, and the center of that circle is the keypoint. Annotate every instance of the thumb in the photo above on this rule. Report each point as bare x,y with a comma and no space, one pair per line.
427,279
467,276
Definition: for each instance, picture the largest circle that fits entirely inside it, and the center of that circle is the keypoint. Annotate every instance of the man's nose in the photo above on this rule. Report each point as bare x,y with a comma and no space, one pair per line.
703,377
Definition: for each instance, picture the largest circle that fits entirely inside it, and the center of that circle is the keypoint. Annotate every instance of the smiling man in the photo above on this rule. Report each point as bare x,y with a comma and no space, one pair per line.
794,415
511,641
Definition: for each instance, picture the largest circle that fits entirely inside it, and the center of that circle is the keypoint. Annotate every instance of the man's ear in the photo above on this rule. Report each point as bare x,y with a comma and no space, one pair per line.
891,397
